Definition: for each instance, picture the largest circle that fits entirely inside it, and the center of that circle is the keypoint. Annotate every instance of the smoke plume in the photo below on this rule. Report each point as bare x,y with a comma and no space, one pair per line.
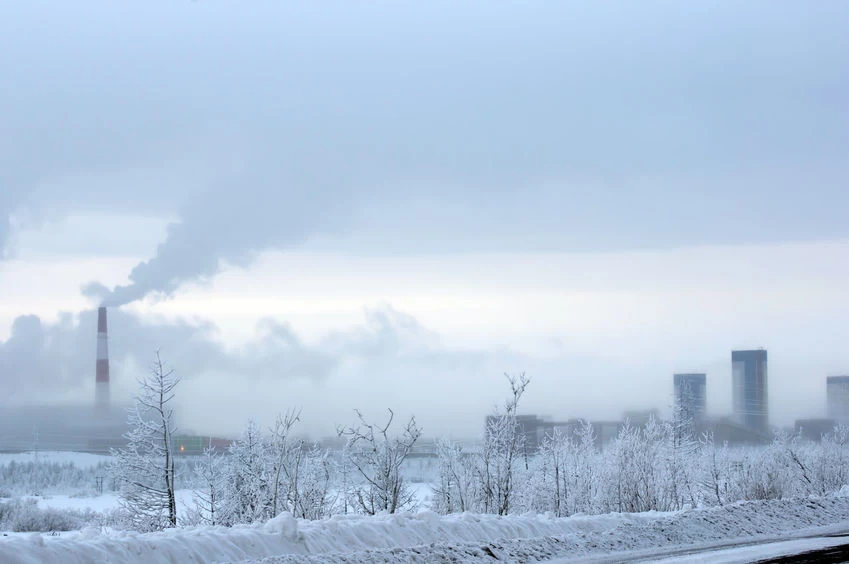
232,222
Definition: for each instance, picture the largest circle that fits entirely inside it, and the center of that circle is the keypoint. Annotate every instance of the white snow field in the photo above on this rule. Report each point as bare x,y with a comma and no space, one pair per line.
456,538
100,503
79,459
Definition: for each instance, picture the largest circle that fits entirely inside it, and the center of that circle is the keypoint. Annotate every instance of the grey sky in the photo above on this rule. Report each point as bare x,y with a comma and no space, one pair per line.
593,112
402,131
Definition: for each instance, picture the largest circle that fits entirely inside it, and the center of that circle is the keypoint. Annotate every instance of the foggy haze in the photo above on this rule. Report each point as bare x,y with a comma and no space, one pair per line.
391,206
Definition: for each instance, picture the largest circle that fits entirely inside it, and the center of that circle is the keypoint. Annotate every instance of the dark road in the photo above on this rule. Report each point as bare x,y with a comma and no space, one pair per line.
832,554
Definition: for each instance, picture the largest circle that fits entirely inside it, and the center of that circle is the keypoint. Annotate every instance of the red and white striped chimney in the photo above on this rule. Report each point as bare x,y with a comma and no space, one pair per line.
101,392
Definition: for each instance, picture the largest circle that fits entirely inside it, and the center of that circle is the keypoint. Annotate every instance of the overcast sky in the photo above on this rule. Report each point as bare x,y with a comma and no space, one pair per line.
371,205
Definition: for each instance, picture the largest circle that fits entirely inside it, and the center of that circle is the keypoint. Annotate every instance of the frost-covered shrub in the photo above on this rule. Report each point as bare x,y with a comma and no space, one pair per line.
312,493
376,458
248,496
823,467
503,447
264,474
653,467
24,516
208,493
23,478
458,487
115,518
6,509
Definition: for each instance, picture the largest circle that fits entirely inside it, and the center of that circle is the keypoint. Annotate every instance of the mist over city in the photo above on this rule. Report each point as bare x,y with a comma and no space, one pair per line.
340,210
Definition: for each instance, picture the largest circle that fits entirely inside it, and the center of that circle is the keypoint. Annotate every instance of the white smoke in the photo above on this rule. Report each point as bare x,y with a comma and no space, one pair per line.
246,213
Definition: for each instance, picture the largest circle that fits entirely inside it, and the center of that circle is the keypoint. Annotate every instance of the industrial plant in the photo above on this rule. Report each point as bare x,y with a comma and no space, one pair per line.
95,428
101,425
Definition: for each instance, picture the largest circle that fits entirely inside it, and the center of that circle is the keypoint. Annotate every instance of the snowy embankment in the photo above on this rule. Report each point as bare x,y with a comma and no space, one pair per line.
393,538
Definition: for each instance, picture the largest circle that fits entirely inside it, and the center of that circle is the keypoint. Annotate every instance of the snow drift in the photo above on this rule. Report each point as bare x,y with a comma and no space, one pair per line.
390,537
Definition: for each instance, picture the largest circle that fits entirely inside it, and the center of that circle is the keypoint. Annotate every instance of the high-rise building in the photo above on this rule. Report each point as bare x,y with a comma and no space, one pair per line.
837,394
101,377
749,381
690,396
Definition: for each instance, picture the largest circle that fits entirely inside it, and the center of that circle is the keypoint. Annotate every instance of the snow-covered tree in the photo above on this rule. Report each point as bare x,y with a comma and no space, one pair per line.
654,468
535,484
346,476
567,476
313,499
712,473
208,496
585,472
458,484
265,475
625,450
503,445
377,458
828,462
248,495
300,475
565,471
144,468
286,456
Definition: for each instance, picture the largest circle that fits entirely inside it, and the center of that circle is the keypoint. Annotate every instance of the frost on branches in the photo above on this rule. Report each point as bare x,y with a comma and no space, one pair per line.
485,482
657,466
208,496
661,466
262,475
248,491
377,459
504,442
144,468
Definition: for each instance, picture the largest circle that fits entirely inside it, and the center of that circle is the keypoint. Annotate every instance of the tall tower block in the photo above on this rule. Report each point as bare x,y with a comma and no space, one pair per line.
837,390
101,392
750,394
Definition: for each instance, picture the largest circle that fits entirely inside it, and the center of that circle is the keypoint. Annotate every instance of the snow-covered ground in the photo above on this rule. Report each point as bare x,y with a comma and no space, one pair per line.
109,501
734,533
100,503
464,537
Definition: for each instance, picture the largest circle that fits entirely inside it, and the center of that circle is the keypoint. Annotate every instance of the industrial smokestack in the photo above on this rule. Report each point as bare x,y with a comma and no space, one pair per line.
101,392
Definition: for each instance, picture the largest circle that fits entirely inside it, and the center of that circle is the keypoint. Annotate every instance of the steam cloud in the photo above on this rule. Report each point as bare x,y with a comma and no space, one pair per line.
231,222
389,360
622,132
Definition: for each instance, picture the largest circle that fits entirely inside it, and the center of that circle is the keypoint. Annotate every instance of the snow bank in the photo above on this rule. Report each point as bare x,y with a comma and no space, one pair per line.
390,538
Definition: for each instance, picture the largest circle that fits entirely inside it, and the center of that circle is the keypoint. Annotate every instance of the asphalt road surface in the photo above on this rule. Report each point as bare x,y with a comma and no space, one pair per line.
830,555
813,548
